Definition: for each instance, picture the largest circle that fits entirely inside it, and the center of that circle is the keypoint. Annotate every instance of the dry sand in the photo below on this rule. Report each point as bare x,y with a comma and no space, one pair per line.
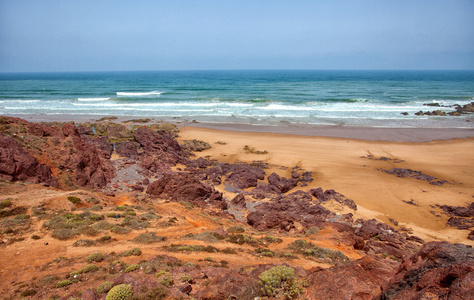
338,163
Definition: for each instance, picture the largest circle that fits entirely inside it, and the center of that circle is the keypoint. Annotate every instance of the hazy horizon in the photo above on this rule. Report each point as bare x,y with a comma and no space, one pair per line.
91,36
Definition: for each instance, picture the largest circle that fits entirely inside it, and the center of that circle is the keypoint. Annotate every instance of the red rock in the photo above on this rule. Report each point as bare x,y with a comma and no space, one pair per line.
17,164
127,149
239,200
440,270
359,279
153,141
283,184
181,186
284,212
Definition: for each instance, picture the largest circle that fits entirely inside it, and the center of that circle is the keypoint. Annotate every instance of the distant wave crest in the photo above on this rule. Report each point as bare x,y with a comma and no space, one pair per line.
138,94
93,99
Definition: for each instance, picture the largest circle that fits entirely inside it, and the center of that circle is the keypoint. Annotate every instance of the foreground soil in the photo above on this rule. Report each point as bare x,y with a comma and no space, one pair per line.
205,214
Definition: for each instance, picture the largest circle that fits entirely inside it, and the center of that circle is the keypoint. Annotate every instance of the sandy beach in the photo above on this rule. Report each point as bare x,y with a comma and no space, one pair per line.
343,164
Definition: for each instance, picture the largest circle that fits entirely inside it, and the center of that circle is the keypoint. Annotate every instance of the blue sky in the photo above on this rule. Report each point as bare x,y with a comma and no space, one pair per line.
102,35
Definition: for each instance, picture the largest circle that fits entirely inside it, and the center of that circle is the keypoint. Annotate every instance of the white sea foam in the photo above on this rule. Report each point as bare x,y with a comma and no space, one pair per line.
20,100
93,99
138,94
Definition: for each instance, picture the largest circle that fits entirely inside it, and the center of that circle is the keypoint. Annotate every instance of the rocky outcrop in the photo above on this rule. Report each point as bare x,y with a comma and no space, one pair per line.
333,195
242,176
440,270
380,238
90,169
399,172
160,150
359,279
180,186
17,164
285,212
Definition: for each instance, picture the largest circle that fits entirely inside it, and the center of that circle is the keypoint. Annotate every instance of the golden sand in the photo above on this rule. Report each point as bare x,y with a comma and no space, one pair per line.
339,164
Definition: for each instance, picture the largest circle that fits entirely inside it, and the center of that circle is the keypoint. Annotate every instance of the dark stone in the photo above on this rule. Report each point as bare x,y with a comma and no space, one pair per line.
185,289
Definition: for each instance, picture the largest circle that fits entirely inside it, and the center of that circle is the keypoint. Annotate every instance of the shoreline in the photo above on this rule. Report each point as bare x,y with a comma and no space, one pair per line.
366,133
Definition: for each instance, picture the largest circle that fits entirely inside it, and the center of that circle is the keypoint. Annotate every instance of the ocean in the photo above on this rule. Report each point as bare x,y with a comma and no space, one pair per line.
353,98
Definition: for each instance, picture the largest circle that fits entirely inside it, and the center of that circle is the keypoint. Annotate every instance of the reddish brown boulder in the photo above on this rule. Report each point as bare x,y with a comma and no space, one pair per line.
333,195
239,200
283,212
359,279
281,183
242,179
153,141
242,175
440,270
180,186
17,164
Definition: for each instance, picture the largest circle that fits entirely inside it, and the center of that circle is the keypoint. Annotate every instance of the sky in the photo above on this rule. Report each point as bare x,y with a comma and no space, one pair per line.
116,35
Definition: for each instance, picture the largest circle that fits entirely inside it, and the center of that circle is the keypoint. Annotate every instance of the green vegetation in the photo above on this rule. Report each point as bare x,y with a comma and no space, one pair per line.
132,252
120,292
241,239
309,249
74,199
5,203
63,283
167,280
69,225
131,268
104,287
88,269
95,257
278,281
148,238
252,150
191,248
236,229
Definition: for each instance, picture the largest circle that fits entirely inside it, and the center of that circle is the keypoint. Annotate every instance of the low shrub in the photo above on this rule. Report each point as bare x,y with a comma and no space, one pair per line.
309,249
236,229
279,280
74,199
90,268
63,283
95,257
241,239
132,252
63,234
131,268
120,230
5,203
167,280
120,292
134,223
84,243
149,238
104,287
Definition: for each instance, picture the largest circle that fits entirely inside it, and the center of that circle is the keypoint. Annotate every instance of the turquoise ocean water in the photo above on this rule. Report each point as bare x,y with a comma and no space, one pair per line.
357,98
